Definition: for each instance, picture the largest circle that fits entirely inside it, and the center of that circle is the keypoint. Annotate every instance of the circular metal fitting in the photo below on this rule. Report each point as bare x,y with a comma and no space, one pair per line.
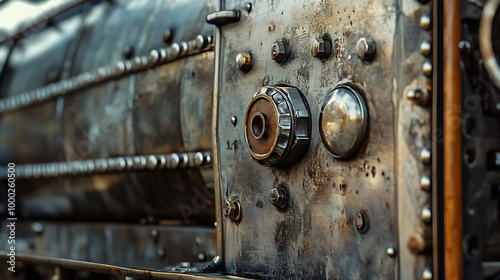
277,126
425,47
425,156
427,274
391,252
489,31
278,197
425,183
343,121
427,68
426,214
425,21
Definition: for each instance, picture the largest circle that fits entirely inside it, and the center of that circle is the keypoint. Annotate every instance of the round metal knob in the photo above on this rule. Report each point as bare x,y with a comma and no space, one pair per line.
277,126
343,121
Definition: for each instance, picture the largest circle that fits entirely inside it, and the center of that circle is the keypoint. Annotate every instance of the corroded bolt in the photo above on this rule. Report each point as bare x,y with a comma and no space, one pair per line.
244,61
366,48
279,52
321,48
232,210
278,197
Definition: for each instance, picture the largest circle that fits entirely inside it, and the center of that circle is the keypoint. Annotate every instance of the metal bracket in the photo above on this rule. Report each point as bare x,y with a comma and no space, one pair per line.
222,18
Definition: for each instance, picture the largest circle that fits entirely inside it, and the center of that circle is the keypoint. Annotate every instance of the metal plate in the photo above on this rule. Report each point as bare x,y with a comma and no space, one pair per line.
313,236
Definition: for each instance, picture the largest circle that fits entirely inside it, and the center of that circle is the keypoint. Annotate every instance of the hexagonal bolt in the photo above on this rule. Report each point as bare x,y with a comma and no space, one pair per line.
244,61
278,197
232,210
279,52
321,48
366,48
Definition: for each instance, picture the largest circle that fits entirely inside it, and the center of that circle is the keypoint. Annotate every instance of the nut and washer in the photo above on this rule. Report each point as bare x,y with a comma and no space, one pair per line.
321,48
232,210
279,52
278,197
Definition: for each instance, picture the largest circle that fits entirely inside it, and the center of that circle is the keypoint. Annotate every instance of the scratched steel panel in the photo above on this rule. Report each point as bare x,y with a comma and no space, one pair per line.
316,237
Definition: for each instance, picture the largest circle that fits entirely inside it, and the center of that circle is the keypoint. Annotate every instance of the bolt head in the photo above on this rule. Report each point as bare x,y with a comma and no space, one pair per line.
279,52
278,197
366,48
321,48
244,61
425,21
391,252
427,274
232,210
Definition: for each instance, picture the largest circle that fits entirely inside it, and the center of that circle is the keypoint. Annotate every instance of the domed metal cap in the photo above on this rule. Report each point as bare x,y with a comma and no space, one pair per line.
277,126
343,121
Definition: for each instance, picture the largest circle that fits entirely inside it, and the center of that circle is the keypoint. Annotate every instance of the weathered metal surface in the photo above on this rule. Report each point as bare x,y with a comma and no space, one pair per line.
163,110
312,236
145,246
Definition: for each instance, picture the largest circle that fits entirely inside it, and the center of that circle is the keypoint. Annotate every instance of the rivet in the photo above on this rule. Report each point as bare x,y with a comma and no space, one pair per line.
427,68
425,156
168,35
427,274
233,120
201,41
425,47
128,52
425,21
464,47
425,183
391,252
426,214
249,7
